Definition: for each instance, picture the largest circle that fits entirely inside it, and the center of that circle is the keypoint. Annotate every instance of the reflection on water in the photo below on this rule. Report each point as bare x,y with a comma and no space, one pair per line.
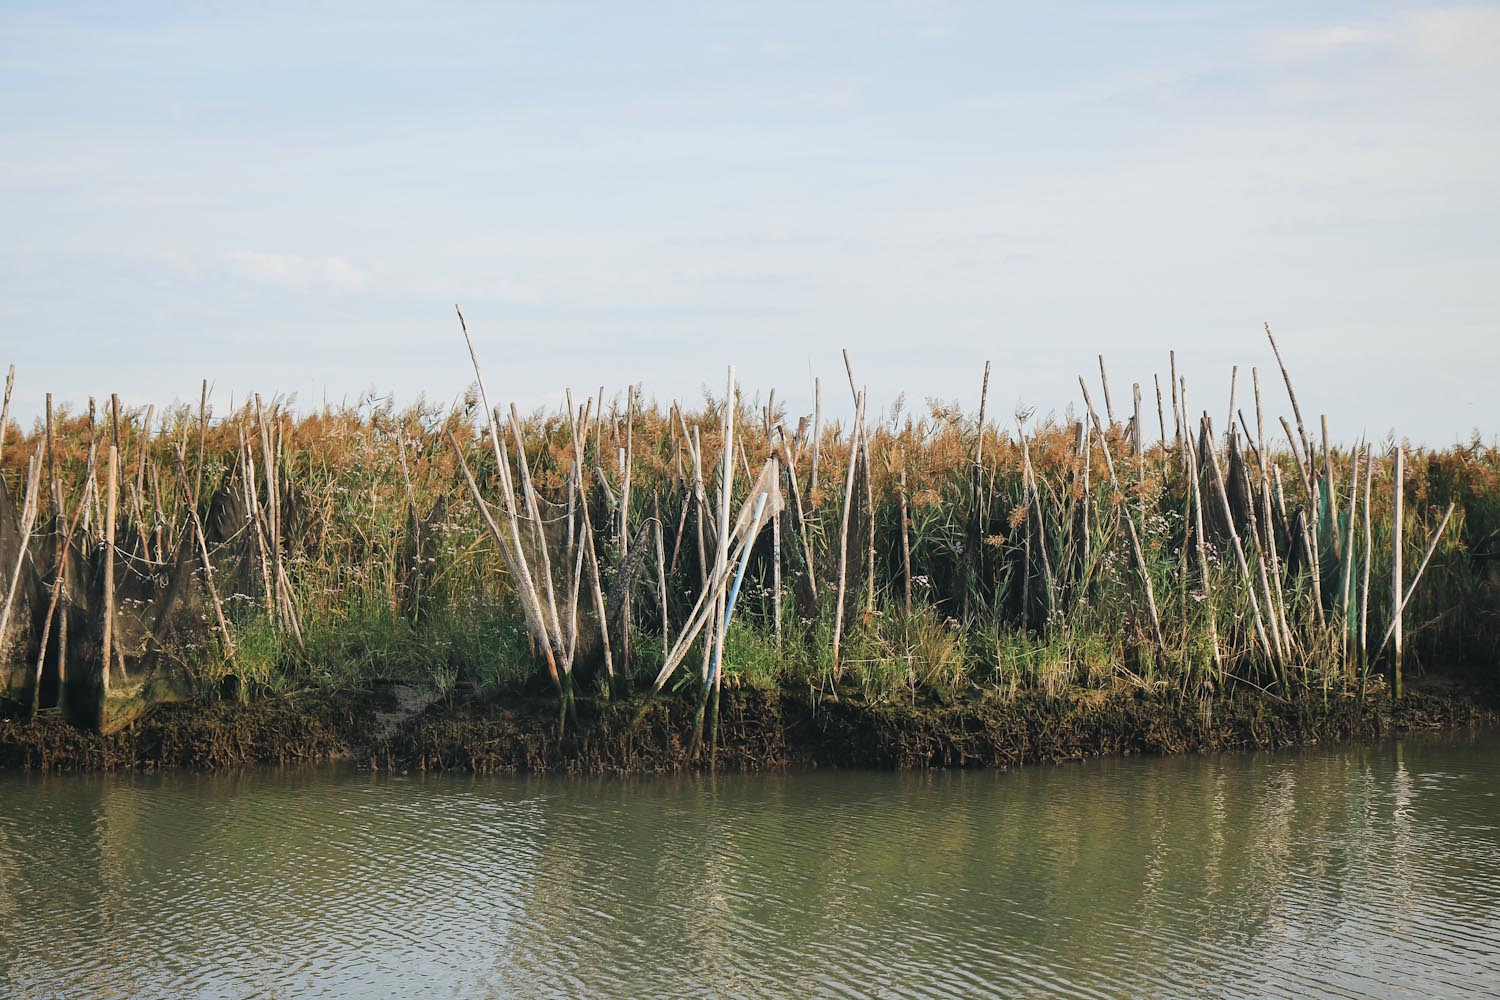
1359,871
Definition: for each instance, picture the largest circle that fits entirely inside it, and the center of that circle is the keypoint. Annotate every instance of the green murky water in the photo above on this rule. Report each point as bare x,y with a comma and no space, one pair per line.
1370,871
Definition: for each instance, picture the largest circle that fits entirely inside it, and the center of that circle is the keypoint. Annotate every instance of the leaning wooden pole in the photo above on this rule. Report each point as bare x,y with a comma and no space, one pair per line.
838,606
1411,588
801,522
29,509
59,584
1239,549
204,560
1135,539
508,545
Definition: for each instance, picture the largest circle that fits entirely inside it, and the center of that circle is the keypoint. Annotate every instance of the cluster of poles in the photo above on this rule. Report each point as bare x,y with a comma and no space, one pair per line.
1212,545
99,584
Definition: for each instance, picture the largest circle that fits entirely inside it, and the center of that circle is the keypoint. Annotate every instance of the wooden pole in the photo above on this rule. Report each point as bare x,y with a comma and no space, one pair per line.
29,508
1234,375
10,383
867,473
1135,539
1346,569
661,574
1239,550
1028,479
533,513
905,541
1364,586
801,522
205,562
580,435
1109,407
1398,589
202,440
627,482
817,434
1411,588
775,549
1292,395
112,494
509,549
1310,527
1086,445
1137,431
59,583
1177,417
1195,493
54,488
1161,421
838,613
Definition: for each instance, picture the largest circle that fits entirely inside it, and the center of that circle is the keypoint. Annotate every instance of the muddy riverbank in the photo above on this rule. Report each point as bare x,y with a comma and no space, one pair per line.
758,729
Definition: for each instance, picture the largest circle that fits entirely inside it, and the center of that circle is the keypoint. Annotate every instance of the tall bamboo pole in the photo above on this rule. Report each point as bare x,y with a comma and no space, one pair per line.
775,551
1411,588
803,533
1239,549
661,573
1109,407
10,383
838,613
867,474
29,508
59,583
817,434
1398,589
1137,430
112,492
579,435
1200,546
1161,422
1135,539
1346,569
205,562
1177,416
905,543
1364,586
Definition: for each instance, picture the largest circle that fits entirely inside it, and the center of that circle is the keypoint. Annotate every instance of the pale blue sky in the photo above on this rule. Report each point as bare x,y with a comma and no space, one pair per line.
285,200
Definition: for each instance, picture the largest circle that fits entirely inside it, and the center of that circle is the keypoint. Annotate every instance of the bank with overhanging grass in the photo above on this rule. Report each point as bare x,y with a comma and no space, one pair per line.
636,563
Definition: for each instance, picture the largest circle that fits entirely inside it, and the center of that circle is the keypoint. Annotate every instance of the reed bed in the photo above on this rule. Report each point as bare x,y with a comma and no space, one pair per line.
622,548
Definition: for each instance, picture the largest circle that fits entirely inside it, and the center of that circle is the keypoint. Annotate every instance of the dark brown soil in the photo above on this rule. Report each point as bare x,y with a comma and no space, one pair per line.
308,727
757,729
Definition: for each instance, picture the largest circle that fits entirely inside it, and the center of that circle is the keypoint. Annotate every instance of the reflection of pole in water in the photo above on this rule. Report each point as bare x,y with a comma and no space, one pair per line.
1402,839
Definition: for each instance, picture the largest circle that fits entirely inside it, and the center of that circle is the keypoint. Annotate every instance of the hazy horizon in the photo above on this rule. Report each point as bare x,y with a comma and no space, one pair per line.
291,202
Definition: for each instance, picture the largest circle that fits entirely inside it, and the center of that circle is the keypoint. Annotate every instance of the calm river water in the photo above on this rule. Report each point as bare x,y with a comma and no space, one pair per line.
1368,871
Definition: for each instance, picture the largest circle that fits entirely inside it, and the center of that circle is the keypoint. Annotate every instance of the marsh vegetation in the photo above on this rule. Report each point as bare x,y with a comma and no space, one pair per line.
620,549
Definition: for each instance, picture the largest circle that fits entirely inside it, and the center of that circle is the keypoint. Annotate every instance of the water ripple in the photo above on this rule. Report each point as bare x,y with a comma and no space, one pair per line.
1354,872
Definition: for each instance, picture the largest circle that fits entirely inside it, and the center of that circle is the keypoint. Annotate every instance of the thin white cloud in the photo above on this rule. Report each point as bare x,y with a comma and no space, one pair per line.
1300,44
295,271
1465,37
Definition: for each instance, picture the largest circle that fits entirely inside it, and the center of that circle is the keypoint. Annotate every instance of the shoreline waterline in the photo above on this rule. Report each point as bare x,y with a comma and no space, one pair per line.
759,729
